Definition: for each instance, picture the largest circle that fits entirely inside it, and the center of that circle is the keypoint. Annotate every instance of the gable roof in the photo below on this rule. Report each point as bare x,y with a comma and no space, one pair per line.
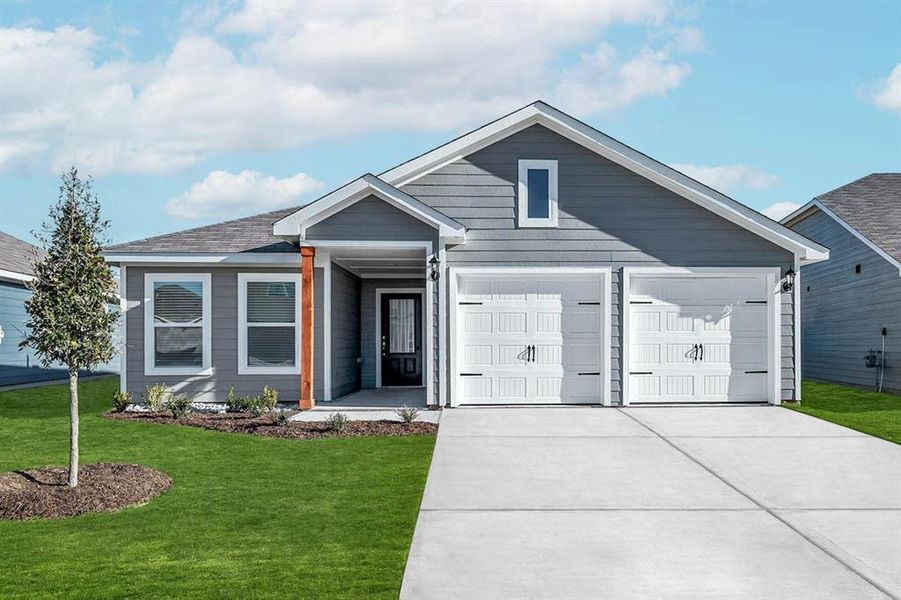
869,207
249,234
17,258
298,222
617,152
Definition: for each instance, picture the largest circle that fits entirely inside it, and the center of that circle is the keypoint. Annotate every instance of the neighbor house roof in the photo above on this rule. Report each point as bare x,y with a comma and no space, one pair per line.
249,234
869,207
17,258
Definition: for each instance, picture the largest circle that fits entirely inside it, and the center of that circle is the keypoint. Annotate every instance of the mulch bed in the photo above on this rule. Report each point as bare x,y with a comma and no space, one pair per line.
265,425
102,487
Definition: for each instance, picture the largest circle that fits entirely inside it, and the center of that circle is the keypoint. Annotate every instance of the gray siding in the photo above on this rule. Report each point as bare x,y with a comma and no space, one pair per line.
345,332
213,388
844,312
371,219
608,216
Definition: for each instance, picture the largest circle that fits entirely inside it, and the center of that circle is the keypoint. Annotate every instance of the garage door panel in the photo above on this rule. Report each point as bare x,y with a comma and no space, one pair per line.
549,354
581,389
581,322
511,355
477,322
477,388
671,317
549,322
477,355
512,323
511,388
581,357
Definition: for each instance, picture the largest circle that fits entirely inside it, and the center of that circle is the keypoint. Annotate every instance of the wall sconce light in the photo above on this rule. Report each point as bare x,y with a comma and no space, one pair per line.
788,283
434,268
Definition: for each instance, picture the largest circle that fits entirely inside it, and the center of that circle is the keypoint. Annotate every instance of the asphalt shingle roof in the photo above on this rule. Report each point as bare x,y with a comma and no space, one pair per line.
872,206
17,255
249,234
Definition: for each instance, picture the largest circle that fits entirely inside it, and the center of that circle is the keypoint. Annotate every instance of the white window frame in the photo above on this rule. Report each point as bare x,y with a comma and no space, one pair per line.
523,219
150,367
243,367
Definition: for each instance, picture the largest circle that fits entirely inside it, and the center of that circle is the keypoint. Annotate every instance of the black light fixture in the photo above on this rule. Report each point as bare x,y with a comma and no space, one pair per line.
434,264
788,283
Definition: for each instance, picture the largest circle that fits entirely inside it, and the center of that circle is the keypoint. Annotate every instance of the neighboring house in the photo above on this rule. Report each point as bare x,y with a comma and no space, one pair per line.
534,260
848,301
18,366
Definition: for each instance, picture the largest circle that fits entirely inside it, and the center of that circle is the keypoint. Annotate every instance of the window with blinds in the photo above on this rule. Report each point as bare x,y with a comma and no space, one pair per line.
269,327
177,319
178,323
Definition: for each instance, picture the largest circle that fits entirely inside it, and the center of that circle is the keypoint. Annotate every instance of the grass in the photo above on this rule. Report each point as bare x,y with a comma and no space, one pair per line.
863,410
246,516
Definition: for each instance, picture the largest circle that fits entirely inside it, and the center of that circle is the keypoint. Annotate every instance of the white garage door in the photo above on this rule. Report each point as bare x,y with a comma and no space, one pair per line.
529,339
698,339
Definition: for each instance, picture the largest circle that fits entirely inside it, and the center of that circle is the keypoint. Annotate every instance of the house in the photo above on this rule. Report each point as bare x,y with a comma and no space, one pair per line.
851,304
534,260
20,366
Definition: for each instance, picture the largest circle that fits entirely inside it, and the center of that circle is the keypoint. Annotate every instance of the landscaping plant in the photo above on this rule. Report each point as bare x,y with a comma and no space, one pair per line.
407,414
281,417
69,316
336,422
179,405
269,398
254,405
233,402
121,400
154,396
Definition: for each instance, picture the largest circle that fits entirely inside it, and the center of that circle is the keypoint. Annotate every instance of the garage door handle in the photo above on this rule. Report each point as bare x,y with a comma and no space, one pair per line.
702,351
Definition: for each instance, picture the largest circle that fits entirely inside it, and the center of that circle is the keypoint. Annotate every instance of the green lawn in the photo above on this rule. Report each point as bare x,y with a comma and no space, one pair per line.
863,410
246,516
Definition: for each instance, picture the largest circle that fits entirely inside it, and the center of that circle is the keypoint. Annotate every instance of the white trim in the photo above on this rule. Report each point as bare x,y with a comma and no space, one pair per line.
123,307
15,276
522,197
243,367
442,323
378,244
542,114
801,214
796,330
388,275
772,278
150,369
237,259
426,341
605,273
297,223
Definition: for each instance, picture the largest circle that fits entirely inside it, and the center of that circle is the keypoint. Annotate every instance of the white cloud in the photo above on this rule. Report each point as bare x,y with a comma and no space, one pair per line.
888,92
731,178
274,75
222,195
780,209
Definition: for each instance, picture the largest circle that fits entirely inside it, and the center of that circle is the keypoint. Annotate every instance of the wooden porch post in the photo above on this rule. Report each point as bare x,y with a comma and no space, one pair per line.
306,328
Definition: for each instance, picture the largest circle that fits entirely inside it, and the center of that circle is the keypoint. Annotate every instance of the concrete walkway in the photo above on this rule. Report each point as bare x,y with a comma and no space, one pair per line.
707,502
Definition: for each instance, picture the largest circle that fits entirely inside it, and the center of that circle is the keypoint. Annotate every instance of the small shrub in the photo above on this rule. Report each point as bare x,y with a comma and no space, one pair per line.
269,398
336,422
121,400
281,417
179,405
253,405
154,396
233,402
407,414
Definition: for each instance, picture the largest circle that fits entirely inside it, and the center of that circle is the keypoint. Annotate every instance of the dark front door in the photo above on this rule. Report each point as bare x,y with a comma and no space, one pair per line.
401,341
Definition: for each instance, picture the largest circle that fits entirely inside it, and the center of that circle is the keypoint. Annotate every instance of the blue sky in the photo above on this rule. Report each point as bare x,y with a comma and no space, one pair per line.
187,114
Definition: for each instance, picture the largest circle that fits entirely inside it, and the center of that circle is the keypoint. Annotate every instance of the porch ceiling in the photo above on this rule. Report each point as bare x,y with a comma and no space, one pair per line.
375,262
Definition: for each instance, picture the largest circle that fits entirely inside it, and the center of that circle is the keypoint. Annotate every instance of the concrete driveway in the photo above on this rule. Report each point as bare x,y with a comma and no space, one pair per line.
706,502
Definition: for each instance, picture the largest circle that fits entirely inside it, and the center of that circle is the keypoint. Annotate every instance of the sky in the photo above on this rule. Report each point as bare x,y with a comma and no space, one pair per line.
186,114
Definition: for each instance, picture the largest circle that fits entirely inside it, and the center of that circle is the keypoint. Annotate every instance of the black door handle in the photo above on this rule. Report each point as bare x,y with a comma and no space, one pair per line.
531,354
702,352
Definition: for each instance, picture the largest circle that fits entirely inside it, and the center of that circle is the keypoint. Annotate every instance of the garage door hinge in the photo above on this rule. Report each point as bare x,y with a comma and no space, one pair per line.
640,302
589,373
470,374
470,304
589,303
641,372
754,372
755,301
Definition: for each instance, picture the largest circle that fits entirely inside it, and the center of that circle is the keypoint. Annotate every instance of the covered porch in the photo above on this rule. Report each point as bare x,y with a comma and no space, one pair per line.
374,405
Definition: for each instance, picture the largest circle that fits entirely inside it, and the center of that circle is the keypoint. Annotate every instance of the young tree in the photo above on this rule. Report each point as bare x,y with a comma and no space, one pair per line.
69,318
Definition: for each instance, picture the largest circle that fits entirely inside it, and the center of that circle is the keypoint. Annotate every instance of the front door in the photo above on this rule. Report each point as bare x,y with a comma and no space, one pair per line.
401,343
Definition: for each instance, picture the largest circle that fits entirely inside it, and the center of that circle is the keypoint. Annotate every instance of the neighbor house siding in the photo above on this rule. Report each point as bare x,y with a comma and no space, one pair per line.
224,297
843,312
345,332
608,216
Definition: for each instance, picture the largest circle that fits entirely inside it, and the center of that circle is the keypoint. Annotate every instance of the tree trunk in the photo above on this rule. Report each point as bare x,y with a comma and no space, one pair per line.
73,427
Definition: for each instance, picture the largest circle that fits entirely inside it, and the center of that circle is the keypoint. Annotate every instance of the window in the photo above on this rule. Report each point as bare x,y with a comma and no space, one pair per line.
537,202
176,323
268,323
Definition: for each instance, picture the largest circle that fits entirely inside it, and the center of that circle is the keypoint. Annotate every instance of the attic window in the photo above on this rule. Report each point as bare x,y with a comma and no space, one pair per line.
857,268
537,193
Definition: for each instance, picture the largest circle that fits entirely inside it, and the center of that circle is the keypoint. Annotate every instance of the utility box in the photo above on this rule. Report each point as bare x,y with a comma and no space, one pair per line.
873,358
